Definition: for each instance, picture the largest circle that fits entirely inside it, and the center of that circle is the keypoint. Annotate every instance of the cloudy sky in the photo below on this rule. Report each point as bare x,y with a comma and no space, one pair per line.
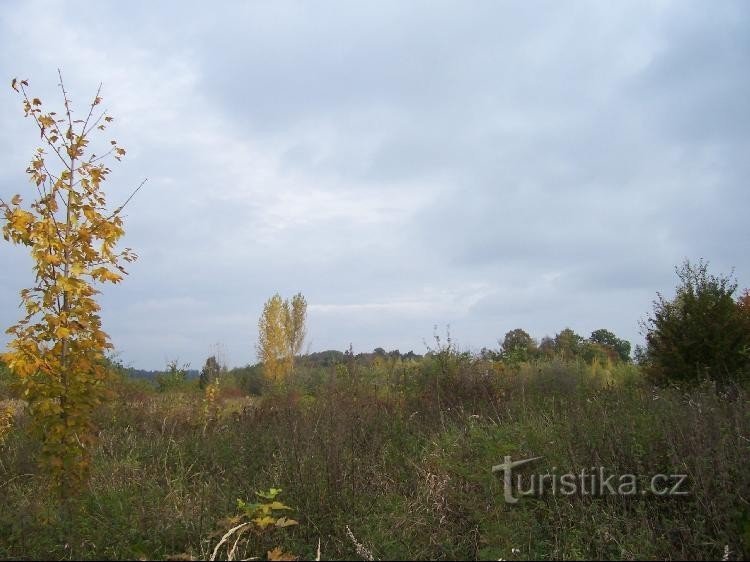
483,165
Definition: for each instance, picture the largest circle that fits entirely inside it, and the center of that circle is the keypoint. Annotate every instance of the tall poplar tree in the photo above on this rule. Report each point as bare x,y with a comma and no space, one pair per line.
281,334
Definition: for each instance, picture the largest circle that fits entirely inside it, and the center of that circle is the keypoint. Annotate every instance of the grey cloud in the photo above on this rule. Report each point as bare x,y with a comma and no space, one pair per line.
697,87
489,166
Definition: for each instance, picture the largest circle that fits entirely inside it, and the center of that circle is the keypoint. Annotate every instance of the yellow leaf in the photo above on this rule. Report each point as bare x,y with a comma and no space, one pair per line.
64,283
21,219
264,522
278,554
279,505
52,259
111,276
62,332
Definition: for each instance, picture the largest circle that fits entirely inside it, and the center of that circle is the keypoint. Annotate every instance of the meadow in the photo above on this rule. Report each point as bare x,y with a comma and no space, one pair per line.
391,458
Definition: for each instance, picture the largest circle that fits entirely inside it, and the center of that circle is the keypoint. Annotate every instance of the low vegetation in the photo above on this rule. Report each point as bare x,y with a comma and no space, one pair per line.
399,451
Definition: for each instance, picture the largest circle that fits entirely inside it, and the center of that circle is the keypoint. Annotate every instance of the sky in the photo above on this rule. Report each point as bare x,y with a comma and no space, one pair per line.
471,166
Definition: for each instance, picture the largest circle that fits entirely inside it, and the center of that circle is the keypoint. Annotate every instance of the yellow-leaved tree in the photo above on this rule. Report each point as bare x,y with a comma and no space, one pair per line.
295,319
57,350
281,334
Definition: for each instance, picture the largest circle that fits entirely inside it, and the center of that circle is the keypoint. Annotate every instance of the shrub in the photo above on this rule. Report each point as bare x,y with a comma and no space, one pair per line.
174,377
700,334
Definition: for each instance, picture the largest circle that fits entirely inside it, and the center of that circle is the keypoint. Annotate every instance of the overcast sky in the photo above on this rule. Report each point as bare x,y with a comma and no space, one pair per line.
487,165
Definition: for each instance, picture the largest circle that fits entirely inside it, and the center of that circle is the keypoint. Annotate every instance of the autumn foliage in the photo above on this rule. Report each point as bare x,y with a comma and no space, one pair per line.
281,333
58,346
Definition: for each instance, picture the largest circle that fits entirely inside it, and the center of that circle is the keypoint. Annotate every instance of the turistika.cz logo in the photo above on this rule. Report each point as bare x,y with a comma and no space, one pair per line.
594,481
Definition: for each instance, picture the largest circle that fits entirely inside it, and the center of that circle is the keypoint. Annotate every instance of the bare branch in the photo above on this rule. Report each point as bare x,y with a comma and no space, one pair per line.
102,157
121,207
94,124
91,110
43,131
67,101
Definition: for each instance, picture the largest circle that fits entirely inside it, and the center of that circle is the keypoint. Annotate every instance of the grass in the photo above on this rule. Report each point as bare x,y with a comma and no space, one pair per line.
398,455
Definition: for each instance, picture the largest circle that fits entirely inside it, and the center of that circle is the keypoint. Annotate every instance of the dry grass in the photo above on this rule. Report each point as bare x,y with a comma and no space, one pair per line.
379,456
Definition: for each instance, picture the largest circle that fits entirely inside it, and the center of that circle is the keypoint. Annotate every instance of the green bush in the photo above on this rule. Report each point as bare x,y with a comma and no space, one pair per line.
173,378
702,333
250,379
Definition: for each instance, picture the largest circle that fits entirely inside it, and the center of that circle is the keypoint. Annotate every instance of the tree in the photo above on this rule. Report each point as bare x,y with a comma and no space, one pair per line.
743,302
609,340
295,315
568,344
281,334
591,351
701,333
57,350
518,346
547,347
743,306
272,341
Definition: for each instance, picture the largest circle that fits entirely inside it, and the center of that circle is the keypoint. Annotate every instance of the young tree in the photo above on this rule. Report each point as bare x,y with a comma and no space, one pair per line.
57,350
701,333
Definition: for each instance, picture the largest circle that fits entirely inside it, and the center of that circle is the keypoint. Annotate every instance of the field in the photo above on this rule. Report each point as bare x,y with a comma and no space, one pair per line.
392,459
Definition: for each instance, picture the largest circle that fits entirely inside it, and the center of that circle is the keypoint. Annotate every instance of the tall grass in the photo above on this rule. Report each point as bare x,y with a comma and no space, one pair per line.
399,455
